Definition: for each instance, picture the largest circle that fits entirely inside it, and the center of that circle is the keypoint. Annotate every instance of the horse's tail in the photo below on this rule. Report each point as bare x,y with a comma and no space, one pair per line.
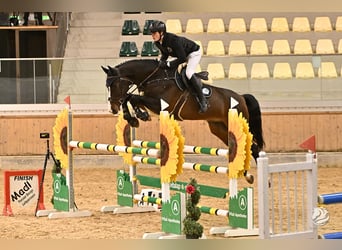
255,122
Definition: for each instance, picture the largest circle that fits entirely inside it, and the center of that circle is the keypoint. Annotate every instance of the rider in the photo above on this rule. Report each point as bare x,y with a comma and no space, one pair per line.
184,50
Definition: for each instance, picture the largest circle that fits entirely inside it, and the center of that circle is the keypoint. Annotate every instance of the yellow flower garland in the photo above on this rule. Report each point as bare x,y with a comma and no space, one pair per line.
249,140
60,136
122,128
169,146
237,145
181,143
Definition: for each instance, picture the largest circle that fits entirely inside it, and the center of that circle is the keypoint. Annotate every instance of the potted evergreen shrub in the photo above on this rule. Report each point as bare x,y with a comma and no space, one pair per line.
191,227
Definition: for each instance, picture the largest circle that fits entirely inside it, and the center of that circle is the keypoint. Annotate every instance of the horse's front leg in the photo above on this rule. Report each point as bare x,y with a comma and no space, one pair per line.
138,106
127,116
143,115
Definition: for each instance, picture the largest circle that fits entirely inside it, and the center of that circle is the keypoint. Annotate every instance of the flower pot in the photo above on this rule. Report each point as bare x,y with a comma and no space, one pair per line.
191,237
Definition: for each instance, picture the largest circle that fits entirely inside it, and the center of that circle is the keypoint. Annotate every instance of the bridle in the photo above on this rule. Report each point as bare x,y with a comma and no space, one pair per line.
126,95
123,95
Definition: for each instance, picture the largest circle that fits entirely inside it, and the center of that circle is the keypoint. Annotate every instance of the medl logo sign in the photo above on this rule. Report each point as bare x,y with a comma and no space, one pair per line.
22,187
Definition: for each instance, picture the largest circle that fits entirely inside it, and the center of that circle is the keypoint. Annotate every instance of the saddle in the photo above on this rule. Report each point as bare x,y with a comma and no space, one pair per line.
183,83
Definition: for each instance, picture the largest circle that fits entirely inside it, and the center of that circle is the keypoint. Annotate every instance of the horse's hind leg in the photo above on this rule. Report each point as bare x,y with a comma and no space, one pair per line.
221,131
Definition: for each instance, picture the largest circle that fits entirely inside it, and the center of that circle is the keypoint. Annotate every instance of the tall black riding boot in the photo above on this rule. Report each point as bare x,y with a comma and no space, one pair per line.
197,85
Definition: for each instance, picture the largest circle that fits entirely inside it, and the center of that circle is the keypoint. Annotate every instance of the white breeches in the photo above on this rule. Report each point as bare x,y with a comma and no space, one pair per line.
193,60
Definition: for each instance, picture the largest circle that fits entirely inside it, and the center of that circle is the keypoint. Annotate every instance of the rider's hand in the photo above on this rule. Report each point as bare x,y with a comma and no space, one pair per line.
163,64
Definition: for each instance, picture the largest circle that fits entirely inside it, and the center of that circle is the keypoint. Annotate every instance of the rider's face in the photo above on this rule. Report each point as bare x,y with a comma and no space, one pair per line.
156,36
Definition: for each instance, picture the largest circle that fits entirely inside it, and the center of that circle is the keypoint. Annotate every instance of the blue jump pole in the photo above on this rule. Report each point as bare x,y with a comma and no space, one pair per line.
330,198
330,236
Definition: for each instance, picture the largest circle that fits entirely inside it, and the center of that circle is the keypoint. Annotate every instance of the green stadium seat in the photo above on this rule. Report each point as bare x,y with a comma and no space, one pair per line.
128,49
149,49
130,27
147,24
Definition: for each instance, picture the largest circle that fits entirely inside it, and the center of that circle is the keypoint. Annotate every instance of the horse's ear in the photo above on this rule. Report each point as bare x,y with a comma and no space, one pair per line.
105,70
110,68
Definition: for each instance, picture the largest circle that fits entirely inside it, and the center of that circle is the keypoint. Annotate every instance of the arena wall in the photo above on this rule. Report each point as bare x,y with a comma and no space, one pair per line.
283,131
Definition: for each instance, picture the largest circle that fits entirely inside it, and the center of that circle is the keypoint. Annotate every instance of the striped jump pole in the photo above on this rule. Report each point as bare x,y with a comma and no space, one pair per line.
187,148
330,198
214,211
148,199
115,148
186,165
203,209
194,150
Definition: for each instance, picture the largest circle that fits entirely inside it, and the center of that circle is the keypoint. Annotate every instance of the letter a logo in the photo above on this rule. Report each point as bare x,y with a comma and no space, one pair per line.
175,207
242,202
121,183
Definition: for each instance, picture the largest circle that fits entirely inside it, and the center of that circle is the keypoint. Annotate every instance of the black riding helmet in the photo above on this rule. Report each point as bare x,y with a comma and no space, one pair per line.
157,26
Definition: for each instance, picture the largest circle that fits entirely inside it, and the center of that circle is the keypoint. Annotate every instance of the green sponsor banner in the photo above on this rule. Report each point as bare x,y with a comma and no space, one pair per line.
180,187
60,192
172,214
124,189
241,209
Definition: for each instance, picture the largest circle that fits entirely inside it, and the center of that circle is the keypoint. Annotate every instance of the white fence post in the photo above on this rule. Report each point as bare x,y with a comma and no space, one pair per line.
287,196
263,207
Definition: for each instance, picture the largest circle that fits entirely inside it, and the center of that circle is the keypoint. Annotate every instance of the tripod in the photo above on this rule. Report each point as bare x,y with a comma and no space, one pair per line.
58,169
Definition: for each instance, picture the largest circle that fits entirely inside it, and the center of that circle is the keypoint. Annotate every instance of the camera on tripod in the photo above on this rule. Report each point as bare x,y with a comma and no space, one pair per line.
44,135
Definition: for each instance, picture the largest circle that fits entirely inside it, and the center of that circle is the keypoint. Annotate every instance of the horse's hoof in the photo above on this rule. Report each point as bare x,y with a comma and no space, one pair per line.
249,178
133,122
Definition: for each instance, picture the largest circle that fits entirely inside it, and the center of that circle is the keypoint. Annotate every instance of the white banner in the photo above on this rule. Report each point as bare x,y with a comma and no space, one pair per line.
24,189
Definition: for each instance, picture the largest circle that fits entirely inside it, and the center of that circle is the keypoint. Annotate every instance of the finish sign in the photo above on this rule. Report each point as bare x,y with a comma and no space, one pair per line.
22,188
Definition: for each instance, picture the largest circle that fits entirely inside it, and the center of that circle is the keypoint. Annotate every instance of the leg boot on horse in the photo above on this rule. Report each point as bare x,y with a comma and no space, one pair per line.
197,86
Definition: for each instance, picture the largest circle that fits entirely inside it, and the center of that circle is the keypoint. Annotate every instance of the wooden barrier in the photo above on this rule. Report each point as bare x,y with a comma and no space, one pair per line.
283,131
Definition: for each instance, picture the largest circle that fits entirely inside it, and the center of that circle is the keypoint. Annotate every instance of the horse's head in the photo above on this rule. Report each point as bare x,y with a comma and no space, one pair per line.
117,86
123,76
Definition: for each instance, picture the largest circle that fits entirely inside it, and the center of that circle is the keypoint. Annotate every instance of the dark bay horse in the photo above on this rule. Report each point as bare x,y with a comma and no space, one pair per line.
154,84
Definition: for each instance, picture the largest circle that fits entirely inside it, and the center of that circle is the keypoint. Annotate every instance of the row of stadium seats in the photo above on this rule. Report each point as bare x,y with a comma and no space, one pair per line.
281,70
256,25
129,48
238,25
239,48
131,27
279,47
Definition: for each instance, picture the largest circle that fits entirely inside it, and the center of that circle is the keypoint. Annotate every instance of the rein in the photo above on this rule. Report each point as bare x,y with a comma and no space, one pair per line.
145,80
128,95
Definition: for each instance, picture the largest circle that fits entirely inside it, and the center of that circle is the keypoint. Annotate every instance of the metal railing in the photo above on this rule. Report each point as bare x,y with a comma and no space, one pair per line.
40,80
